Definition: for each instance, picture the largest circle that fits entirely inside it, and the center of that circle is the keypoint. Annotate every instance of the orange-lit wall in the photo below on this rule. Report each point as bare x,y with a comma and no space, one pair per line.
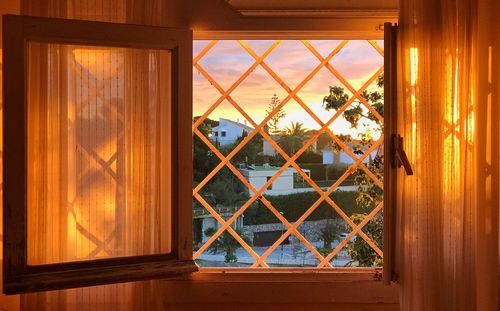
8,303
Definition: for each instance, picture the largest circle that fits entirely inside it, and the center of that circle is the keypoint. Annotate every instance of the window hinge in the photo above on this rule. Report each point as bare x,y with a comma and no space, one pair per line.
399,157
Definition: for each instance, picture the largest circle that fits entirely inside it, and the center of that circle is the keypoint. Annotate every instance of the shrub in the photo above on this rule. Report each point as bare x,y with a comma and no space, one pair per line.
336,170
310,157
317,170
359,250
294,205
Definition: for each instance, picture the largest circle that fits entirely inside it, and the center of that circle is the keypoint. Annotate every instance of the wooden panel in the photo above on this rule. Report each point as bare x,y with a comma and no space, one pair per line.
313,4
277,306
80,275
390,129
279,291
18,275
316,8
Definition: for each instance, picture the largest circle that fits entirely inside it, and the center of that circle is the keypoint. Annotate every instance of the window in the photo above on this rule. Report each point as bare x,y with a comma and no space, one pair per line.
84,165
86,181
304,101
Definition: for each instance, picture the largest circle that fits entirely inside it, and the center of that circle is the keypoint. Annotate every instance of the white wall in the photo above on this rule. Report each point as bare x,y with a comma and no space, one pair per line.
233,131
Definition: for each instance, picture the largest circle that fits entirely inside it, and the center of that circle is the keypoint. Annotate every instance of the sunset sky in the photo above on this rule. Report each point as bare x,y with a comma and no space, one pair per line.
292,61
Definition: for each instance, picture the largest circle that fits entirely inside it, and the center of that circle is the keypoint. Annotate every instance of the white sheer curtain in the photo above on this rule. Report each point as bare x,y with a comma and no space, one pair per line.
446,224
99,153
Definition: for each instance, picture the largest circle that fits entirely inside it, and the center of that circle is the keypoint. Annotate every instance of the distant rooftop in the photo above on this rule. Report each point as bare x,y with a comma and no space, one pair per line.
244,126
266,168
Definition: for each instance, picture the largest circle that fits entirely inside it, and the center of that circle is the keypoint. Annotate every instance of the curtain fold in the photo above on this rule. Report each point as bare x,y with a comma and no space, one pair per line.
442,205
100,148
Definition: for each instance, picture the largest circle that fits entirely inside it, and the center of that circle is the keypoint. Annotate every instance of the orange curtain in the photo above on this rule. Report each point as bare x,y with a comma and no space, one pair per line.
447,217
99,155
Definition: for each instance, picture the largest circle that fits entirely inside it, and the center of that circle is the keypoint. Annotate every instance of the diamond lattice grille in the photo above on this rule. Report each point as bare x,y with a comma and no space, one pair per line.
284,240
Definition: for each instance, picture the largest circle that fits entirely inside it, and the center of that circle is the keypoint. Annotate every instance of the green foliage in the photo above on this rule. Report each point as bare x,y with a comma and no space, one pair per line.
204,160
310,157
295,129
272,127
353,114
251,153
293,138
294,205
317,170
209,231
324,251
323,141
336,99
197,233
329,234
335,171
368,194
226,243
359,250
225,190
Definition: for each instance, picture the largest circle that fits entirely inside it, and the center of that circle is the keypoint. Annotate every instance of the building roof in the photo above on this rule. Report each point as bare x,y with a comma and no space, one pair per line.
244,126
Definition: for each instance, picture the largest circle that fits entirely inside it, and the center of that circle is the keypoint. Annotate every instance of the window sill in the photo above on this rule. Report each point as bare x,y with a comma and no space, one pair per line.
280,286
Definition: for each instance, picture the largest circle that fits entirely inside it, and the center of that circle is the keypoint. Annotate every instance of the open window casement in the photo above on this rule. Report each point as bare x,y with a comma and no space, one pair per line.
97,172
390,129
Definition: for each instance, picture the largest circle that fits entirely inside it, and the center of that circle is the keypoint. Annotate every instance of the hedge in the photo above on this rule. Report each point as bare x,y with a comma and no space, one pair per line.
294,205
318,170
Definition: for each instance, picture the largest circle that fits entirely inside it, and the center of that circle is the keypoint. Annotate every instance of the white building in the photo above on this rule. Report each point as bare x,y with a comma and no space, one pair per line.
331,156
283,184
228,131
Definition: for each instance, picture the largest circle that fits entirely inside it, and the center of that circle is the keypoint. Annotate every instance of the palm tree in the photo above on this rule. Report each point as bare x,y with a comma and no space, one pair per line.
295,129
293,138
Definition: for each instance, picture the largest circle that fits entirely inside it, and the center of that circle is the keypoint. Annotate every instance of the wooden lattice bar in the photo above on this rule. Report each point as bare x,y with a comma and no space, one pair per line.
291,229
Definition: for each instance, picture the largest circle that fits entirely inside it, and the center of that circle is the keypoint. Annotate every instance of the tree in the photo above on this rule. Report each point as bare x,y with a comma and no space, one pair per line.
204,160
226,243
353,114
368,194
224,190
273,124
293,138
359,250
328,234
251,153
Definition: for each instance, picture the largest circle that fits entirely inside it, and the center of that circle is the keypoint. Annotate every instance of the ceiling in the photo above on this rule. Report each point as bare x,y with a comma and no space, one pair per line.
313,4
311,8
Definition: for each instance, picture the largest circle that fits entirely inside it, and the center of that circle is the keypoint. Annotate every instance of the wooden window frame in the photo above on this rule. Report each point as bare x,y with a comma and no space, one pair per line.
18,275
303,285
389,117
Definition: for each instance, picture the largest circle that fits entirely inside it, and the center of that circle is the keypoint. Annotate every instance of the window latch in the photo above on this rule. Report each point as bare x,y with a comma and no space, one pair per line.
399,157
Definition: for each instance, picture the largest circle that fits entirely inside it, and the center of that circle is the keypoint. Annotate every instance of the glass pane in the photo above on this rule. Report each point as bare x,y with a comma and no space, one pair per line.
331,126
98,152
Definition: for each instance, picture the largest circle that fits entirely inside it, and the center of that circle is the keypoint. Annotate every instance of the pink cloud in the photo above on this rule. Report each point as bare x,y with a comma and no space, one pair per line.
292,62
